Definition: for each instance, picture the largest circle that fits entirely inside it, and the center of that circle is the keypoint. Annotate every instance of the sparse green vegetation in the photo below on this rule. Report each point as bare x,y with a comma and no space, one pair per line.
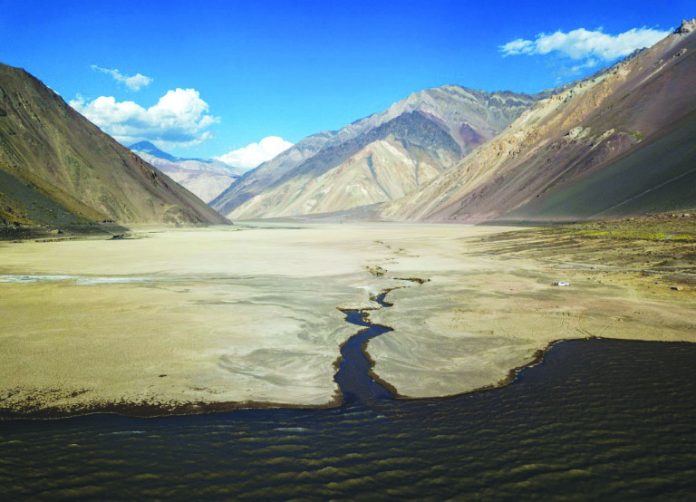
661,246
637,135
659,227
636,234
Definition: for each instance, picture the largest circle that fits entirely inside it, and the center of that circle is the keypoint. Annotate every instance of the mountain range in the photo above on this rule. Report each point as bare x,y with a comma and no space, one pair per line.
619,142
205,178
616,143
58,169
376,159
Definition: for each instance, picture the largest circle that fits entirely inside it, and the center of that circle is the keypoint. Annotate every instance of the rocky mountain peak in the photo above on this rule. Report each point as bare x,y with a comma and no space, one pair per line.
687,26
147,147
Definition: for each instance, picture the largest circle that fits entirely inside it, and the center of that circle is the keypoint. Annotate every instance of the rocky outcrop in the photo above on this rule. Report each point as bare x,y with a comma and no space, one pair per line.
686,27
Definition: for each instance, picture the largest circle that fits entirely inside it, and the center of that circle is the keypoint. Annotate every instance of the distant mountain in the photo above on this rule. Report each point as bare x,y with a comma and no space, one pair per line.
59,169
205,178
256,180
618,143
375,159
150,149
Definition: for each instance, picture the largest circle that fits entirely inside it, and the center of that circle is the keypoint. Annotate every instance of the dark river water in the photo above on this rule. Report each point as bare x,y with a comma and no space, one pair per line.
597,419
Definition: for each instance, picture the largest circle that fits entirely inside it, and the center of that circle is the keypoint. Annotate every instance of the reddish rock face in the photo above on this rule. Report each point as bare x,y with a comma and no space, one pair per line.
470,136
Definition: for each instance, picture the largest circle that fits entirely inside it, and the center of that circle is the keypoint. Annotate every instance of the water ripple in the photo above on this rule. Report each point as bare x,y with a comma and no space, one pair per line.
598,419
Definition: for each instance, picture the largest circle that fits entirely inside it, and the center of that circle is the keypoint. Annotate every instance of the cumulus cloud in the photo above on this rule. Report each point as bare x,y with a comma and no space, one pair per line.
180,118
254,154
133,82
590,47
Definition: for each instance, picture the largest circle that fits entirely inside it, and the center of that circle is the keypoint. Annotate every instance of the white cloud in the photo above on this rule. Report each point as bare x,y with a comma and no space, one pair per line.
588,63
516,47
179,118
254,154
591,47
133,82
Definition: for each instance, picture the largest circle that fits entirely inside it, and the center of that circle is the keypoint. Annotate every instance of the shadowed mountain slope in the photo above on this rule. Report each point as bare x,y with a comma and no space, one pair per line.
658,176
57,168
617,143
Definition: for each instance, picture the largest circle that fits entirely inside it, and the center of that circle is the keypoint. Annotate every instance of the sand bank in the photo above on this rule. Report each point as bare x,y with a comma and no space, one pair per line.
227,316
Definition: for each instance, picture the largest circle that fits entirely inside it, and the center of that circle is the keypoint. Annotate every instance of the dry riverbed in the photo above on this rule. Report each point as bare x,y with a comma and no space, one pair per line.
187,319
491,304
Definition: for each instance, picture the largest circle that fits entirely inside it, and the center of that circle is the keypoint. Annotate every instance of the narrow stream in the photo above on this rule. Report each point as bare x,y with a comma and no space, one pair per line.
353,375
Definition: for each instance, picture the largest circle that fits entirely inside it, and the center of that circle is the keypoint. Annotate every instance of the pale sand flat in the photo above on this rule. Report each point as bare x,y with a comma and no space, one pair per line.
250,315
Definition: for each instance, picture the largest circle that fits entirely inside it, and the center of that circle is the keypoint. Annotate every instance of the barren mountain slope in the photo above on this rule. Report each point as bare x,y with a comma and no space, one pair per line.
204,178
578,134
429,131
57,168
255,181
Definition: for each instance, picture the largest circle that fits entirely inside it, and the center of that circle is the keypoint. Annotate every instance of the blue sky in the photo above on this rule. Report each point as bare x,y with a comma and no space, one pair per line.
248,70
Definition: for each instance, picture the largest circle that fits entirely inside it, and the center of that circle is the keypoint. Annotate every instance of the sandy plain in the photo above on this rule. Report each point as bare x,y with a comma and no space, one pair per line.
182,320
490,305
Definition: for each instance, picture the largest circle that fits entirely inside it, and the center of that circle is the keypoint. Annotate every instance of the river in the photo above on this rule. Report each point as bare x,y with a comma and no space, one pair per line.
594,419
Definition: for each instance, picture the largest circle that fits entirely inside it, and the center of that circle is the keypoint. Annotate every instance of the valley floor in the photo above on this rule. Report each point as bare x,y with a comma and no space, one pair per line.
183,320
